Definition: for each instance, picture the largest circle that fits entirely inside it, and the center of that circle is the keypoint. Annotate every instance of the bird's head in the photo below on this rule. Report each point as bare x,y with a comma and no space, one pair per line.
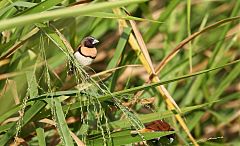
90,42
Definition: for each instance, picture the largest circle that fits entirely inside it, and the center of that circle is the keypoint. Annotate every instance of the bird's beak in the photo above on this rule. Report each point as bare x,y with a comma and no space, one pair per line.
95,41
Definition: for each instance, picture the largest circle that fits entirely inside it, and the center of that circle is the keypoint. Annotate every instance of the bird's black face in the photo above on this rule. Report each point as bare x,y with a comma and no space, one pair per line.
90,42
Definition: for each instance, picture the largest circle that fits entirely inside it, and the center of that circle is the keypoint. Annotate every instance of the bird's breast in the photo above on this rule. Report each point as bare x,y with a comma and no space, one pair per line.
89,52
82,59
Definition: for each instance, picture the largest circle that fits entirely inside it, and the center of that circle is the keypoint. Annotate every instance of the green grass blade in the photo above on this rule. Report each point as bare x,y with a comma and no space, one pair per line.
114,16
52,35
62,13
132,90
62,125
45,5
4,3
17,44
88,101
233,75
32,83
5,10
125,137
117,56
145,118
40,136
201,80
11,112
119,49
6,127
154,27
212,61
189,32
29,114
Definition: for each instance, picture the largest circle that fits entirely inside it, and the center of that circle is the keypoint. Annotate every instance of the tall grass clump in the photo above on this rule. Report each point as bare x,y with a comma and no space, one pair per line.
166,73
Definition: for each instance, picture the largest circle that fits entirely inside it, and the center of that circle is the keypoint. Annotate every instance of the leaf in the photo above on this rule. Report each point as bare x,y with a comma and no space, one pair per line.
29,114
154,27
41,137
114,16
40,7
32,83
145,118
125,137
131,90
61,124
233,75
63,13
117,56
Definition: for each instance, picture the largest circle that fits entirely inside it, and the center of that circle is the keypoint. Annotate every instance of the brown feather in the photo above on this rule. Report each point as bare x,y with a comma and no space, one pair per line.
88,52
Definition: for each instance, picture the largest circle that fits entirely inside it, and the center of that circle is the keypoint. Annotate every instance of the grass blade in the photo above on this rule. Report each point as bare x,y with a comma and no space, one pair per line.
132,90
45,5
63,13
146,60
154,27
187,40
125,137
117,56
62,125
29,114
189,33
233,75
40,136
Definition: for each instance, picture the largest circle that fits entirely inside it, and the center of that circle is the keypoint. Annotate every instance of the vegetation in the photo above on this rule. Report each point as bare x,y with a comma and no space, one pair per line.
176,61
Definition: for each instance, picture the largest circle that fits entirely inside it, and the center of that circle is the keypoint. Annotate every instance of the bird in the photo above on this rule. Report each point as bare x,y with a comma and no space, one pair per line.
86,52
156,126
